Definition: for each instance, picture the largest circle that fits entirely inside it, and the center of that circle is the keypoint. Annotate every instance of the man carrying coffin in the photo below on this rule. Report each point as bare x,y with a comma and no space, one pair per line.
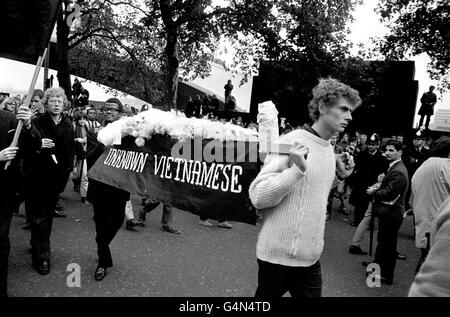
292,192
108,202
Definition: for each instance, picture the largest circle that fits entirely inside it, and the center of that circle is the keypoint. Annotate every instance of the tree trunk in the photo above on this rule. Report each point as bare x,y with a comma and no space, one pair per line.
62,55
172,57
172,73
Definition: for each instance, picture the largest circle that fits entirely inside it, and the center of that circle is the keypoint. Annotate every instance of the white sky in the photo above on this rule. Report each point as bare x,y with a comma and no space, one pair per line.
15,77
367,25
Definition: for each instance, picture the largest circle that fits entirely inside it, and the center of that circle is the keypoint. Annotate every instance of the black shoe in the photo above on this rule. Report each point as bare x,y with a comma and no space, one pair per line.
59,207
83,200
139,223
170,229
100,273
401,256
43,268
26,226
354,249
130,224
59,214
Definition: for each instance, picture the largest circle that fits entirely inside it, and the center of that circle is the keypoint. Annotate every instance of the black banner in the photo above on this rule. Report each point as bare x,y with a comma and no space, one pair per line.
26,27
206,177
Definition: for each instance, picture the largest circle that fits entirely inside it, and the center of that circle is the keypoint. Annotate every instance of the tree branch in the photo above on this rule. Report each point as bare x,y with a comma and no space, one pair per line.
188,17
116,3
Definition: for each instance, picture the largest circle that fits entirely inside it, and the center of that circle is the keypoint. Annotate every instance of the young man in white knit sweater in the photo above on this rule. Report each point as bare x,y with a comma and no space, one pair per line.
292,192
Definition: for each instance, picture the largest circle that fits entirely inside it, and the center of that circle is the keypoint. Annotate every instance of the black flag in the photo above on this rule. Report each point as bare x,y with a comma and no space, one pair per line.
26,27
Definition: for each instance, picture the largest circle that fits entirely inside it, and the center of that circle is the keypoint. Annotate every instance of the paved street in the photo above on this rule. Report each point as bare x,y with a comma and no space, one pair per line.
199,262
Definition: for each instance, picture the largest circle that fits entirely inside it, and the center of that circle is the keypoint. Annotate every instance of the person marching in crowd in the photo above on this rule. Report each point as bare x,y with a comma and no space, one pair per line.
389,206
368,165
108,202
166,218
80,179
92,124
10,104
36,103
46,174
292,193
37,110
362,143
430,186
29,141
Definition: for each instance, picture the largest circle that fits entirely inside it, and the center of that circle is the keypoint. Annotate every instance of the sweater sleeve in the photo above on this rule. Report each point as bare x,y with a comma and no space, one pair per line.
270,187
434,276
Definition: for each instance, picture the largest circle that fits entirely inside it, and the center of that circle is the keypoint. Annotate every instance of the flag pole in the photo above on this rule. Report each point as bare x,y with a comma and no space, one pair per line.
28,100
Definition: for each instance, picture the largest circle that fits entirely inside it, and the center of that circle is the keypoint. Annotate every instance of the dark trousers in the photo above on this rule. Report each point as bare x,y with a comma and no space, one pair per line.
360,209
275,280
5,222
330,202
386,253
109,215
167,215
427,122
40,207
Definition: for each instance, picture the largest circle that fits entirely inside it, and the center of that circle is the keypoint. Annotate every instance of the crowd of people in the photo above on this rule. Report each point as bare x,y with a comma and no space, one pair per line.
383,177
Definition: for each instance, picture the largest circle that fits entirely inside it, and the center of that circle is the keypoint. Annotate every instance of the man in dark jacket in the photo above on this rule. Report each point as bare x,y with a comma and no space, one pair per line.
427,101
29,141
369,164
388,206
108,201
46,174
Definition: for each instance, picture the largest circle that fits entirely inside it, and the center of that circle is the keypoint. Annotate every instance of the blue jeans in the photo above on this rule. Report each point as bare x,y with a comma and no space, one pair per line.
274,280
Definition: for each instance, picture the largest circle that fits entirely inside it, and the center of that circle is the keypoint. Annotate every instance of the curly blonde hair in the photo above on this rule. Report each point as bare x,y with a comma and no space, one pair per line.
327,92
16,99
54,92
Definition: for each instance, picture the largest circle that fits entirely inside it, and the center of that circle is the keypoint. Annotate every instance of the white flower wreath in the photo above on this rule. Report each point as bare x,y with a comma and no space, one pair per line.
176,125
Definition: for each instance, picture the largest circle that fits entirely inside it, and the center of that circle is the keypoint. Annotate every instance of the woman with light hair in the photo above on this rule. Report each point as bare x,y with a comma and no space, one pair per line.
11,104
47,174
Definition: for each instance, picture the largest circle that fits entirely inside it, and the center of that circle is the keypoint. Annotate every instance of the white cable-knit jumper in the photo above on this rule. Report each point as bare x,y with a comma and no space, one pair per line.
294,203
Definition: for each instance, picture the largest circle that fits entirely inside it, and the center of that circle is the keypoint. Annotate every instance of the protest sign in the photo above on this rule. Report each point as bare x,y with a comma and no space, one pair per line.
206,177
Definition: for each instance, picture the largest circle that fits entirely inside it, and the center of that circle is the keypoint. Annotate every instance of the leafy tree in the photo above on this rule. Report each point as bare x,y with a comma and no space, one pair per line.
131,76
97,26
277,30
418,26
180,37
